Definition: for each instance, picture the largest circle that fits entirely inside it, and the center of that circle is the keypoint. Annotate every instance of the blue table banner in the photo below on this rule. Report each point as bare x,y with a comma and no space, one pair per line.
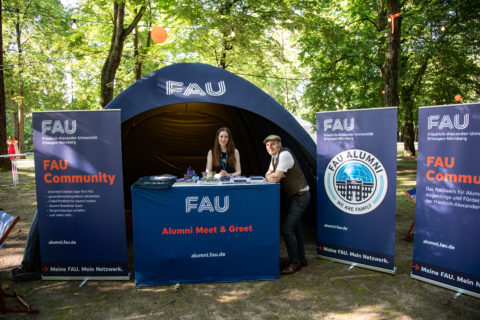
81,216
447,210
356,170
190,234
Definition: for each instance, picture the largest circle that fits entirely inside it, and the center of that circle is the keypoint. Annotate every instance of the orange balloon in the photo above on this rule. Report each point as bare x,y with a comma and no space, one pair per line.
158,34
458,97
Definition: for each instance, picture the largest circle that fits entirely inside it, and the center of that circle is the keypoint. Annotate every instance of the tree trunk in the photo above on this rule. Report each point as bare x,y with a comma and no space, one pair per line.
136,54
390,97
21,120
381,25
21,117
408,94
408,128
227,37
115,53
4,162
14,122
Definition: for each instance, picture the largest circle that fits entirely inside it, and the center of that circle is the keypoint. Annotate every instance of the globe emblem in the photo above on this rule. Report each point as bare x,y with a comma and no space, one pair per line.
354,182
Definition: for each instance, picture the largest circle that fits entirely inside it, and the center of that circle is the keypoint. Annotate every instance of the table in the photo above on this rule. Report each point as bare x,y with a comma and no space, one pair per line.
191,234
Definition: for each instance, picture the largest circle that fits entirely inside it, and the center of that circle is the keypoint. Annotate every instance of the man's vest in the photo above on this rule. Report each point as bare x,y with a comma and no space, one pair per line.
294,180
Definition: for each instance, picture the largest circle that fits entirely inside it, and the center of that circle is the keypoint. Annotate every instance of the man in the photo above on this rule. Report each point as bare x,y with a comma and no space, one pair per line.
284,169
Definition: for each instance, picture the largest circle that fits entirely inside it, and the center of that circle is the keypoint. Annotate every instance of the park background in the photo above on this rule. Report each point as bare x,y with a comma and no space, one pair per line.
310,56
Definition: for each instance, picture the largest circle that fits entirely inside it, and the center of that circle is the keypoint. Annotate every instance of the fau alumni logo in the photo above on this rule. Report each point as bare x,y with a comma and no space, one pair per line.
355,181
178,88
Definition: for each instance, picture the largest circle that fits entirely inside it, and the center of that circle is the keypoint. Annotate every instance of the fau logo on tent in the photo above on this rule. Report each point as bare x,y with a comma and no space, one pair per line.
174,87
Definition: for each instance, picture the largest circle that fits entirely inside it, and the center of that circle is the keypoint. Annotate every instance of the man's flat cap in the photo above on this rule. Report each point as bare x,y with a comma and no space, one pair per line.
272,137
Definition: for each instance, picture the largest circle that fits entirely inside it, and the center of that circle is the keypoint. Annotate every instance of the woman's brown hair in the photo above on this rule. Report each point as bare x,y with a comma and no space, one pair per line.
230,149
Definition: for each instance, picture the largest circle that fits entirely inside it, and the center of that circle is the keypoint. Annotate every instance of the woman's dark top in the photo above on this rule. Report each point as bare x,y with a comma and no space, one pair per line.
223,164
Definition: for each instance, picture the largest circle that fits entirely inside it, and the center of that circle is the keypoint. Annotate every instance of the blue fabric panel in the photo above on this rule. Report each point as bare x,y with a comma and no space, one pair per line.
79,184
205,234
357,150
447,209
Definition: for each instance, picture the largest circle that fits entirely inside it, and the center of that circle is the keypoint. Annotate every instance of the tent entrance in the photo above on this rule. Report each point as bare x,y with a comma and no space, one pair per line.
171,138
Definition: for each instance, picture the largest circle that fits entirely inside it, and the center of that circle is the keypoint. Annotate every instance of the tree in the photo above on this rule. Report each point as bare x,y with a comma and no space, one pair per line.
113,59
31,58
345,51
392,54
4,162
431,55
237,35
440,42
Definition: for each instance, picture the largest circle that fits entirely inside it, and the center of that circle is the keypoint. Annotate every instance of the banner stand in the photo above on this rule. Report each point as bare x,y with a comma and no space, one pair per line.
79,184
361,265
356,187
445,248
444,285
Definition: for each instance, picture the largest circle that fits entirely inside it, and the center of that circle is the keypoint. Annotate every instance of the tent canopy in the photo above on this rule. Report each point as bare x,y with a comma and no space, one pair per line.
170,117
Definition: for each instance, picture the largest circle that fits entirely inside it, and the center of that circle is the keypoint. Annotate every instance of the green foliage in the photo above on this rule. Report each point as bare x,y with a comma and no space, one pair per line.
308,55
34,62
341,47
345,50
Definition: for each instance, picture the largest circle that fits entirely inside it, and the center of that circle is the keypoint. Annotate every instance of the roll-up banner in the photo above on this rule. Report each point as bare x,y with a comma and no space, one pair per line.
356,164
78,172
447,210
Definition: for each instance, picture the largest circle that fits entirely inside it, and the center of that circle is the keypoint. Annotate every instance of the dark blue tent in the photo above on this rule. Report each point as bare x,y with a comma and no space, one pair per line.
170,117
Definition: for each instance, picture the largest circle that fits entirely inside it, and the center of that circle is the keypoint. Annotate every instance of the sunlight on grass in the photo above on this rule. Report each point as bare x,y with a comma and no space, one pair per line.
54,285
64,308
104,286
365,313
357,276
152,289
295,295
234,296
12,259
146,316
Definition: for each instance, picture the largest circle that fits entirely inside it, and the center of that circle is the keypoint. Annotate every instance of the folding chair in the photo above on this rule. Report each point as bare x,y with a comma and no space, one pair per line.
7,223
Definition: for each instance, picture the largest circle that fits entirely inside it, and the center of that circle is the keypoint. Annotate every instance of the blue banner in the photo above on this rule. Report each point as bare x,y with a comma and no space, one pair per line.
189,234
447,209
356,169
78,172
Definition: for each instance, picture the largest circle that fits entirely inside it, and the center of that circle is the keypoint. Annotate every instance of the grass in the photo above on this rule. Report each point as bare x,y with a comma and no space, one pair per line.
322,290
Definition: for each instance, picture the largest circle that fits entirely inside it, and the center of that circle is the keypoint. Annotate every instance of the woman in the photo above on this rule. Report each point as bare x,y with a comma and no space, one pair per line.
224,158
11,146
